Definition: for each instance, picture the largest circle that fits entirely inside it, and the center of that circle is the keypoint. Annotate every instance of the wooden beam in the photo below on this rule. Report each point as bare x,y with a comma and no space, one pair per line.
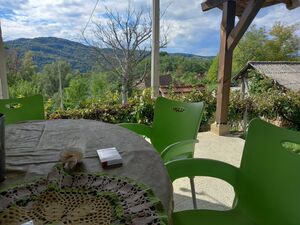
225,63
210,4
245,20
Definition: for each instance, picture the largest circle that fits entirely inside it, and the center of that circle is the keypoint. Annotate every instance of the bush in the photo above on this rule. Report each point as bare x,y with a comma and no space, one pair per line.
272,105
140,109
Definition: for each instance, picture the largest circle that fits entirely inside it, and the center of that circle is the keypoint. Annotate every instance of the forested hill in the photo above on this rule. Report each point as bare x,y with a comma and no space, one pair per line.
49,49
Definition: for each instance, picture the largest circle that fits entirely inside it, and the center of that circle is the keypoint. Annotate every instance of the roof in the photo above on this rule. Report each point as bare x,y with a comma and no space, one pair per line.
241,4
286,74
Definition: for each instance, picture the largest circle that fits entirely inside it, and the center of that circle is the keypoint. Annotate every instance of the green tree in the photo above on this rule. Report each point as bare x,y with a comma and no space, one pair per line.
284,43
99,85
251,48
212,73
28,68
77,91
23,70
23,88
258,44
48,79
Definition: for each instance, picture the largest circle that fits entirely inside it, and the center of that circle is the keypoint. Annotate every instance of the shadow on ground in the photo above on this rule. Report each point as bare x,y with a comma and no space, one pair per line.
183,202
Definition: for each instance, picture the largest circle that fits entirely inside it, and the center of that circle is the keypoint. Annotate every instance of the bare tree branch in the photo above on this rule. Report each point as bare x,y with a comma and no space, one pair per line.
127,35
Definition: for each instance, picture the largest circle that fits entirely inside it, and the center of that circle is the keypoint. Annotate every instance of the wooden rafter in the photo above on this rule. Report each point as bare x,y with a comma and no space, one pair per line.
210,4
245,20
242,4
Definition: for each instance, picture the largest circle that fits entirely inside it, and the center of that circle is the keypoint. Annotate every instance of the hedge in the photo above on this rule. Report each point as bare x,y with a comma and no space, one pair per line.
272,105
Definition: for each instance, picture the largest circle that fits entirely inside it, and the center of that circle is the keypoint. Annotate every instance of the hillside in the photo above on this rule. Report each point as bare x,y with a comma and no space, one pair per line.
48,49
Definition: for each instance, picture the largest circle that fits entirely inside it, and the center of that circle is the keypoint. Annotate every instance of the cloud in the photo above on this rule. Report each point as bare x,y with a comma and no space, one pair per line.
190,29
268,16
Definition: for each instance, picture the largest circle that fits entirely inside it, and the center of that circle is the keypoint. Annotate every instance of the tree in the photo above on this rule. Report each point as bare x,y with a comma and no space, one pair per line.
284,43
28,67
212,73
127,37
25,70
279,44
251,47
99,85
48,80
77,91
23,88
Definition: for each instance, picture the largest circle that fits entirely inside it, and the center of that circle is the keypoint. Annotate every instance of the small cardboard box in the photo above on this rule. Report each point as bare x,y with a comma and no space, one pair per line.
109,157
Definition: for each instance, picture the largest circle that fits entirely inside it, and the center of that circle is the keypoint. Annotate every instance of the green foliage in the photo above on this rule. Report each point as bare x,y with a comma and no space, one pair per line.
251,48
185,70
212,74
284,43
281,43
140,109
273,105
288,107
76,92
293,147
258,83
48,79
23,88
100,83
28,68
47,50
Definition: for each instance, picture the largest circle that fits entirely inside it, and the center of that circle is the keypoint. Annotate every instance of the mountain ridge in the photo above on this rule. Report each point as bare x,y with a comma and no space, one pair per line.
81,57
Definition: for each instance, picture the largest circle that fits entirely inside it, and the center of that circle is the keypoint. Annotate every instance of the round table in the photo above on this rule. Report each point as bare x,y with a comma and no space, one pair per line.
33,148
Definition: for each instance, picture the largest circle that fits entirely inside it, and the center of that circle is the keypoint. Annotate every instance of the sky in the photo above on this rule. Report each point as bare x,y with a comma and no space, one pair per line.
189,29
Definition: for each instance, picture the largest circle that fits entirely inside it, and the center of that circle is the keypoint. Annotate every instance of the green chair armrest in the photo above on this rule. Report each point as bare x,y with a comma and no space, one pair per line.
179,150
140,129
202,167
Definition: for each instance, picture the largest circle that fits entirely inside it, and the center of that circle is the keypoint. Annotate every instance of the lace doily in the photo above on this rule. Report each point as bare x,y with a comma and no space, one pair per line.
83,199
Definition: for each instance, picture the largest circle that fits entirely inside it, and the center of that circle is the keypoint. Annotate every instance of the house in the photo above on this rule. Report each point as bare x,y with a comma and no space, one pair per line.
285,74
167,84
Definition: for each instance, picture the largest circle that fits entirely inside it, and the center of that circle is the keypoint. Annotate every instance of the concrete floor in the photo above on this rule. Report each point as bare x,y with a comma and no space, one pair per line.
211,193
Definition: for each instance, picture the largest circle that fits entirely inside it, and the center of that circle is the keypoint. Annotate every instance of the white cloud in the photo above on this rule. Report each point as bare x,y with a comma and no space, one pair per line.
190,31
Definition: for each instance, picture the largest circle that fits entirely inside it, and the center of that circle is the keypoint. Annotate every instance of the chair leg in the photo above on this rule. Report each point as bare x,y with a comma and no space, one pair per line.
193,192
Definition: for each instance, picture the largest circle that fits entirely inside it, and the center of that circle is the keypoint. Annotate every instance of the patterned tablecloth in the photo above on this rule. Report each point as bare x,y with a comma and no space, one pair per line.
33,148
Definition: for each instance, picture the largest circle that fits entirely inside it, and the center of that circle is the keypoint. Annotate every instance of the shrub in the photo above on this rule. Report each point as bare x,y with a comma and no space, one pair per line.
140,109
272,105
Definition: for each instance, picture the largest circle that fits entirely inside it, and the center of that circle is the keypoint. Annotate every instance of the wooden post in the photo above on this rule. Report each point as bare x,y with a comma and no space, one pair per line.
60,89
3,75
225,66
155,48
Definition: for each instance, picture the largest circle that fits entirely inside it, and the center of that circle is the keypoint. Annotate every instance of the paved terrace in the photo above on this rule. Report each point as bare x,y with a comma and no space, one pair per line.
211,193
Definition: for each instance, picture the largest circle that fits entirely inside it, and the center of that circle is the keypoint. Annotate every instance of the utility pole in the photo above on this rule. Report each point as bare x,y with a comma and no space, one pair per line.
60,90
3,74
155,48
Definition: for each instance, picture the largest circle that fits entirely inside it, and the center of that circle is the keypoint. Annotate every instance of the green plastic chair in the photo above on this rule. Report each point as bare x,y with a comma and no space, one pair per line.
267,185
21,109
174,130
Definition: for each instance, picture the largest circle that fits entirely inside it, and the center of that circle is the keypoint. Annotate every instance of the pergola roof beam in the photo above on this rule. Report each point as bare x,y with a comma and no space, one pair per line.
245,20
210,4
242,4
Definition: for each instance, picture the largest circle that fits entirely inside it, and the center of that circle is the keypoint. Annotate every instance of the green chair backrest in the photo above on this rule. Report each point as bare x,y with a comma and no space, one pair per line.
174,121
268,186
21,109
